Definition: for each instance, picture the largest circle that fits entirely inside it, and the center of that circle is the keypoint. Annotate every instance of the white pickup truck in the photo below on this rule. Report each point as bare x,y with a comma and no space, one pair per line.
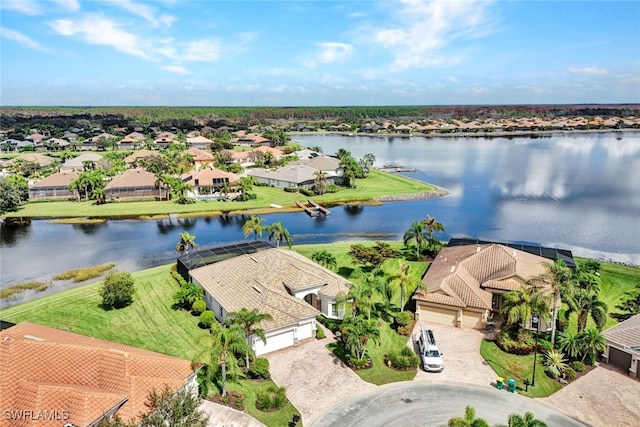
429,352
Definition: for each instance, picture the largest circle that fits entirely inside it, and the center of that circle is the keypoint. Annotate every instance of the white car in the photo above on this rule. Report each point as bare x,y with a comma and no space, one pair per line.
429,351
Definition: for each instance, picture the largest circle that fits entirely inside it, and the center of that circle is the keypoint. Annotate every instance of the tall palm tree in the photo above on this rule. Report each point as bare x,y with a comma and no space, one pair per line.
357,332
592,342
247,320
432,227
279,233
405,282
187,241
416,234
325,258
559,278
589,304
253,225
469,419
223,344
528,420
518,306
319,181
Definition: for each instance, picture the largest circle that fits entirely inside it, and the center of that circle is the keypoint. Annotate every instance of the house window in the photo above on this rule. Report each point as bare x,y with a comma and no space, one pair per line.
334,310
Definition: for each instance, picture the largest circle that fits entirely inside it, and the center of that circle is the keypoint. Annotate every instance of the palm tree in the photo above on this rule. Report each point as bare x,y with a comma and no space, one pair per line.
356,333
558,276
359,298
319,181
247,320
224,343
570,344
588,304
469,419
405,282
187,241
253,225
592,342
416,233
432,227
528,420
99,195
279,233
325,258
518,306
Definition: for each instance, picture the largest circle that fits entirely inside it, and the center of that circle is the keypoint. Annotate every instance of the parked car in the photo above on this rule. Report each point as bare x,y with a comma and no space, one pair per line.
429,351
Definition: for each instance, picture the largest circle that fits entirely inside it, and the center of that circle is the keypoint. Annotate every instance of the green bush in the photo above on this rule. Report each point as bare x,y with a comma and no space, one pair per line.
308,193
117,290
260,369
332,324
404,318
569,374
320,333
271,399
363,363
207,318
290,190
590,359
404,359
577,366
198,307
405,330
515,343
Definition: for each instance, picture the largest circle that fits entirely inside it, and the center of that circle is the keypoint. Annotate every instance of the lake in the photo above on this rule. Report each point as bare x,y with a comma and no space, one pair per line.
573,191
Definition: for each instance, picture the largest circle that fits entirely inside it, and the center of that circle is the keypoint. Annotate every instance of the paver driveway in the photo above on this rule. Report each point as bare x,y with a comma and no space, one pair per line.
315,379
460,350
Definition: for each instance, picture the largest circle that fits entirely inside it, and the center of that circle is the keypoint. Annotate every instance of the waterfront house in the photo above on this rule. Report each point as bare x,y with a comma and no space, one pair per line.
136,184
208,182
54,186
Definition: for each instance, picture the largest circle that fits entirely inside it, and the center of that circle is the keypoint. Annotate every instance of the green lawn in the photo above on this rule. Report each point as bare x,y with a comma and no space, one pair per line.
519,368
378,183
250,390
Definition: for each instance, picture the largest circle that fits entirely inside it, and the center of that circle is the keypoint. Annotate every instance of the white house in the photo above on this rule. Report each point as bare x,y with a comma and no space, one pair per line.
292,289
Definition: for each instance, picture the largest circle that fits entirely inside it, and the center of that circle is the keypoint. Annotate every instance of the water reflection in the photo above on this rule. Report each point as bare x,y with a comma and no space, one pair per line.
12,233
90,228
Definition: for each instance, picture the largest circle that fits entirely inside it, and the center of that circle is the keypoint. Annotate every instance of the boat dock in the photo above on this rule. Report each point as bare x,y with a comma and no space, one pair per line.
396,168
313,210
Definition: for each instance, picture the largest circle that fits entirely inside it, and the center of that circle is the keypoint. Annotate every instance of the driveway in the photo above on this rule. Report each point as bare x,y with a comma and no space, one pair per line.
223,416
603,397
315,379
460,350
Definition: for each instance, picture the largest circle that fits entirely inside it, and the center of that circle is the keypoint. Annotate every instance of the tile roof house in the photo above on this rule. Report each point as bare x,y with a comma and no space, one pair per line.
54,186
51,377
135,183
289,176
132,141
201,158
134,158
40,159
164,139
623,346
199,141
77,163
280,282
208,182
465,282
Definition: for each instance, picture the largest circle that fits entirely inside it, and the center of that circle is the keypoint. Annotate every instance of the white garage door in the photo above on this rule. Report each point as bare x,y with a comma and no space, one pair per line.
438,315
471,319
305,331
275,342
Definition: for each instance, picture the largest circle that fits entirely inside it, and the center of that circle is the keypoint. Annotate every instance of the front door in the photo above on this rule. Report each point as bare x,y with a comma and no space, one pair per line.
312,300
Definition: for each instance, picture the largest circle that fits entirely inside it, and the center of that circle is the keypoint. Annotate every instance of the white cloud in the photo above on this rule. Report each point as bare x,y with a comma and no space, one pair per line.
588,70
453,79
426,28
330,52
70,5
26,7
177,69
101,31
146,12
201,50
20,38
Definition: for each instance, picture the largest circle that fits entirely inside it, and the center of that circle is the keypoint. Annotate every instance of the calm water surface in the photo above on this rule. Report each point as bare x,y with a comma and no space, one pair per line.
580,192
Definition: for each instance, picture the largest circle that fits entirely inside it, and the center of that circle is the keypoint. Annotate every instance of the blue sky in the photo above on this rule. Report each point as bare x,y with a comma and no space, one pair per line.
297,52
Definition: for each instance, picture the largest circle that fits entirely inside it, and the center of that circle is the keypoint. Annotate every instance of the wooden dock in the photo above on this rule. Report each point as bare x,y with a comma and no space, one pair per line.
319,208
311,212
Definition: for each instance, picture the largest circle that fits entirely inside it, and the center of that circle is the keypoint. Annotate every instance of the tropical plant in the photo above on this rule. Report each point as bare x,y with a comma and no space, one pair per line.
589,304
219,354
416,234
325,258
559,277
198,306
570,344
272,398
432,227
406,282
186,243
188,294
469,419
207,318
253,225
279,234
247,320
592,342
10,196
319,181
260,369
630,303
357,331
519,306
117,289
555,362
372,256
526,420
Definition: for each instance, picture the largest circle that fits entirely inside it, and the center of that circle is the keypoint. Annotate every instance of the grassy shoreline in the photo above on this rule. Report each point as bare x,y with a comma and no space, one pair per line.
378,185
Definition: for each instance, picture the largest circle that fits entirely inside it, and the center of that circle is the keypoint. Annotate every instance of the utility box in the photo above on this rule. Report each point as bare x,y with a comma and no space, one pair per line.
511,384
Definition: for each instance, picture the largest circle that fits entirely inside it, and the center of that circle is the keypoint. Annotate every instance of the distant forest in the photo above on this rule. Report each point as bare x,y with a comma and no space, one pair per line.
194,117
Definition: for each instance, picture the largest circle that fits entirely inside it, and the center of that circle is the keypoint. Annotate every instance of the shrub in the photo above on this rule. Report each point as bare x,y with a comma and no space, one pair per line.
260,369
290,190
271,399
308,193
207,318
577,366
511,342
569,374
332,324
198,307
320,333
405,330
403,318
403,359
117,290
363,363
590,359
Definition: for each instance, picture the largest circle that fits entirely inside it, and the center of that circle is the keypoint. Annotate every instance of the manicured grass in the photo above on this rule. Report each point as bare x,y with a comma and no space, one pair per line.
378,183
250,389
519,368
149,322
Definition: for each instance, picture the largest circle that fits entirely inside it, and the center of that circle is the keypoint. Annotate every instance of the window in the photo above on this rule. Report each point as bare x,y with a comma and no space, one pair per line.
334,310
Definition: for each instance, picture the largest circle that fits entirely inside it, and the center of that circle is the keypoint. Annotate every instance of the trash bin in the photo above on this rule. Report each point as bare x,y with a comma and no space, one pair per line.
511,385
499,383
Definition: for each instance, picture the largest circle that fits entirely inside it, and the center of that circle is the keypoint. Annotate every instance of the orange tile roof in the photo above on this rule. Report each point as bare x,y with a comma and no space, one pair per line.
78,378
206,176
